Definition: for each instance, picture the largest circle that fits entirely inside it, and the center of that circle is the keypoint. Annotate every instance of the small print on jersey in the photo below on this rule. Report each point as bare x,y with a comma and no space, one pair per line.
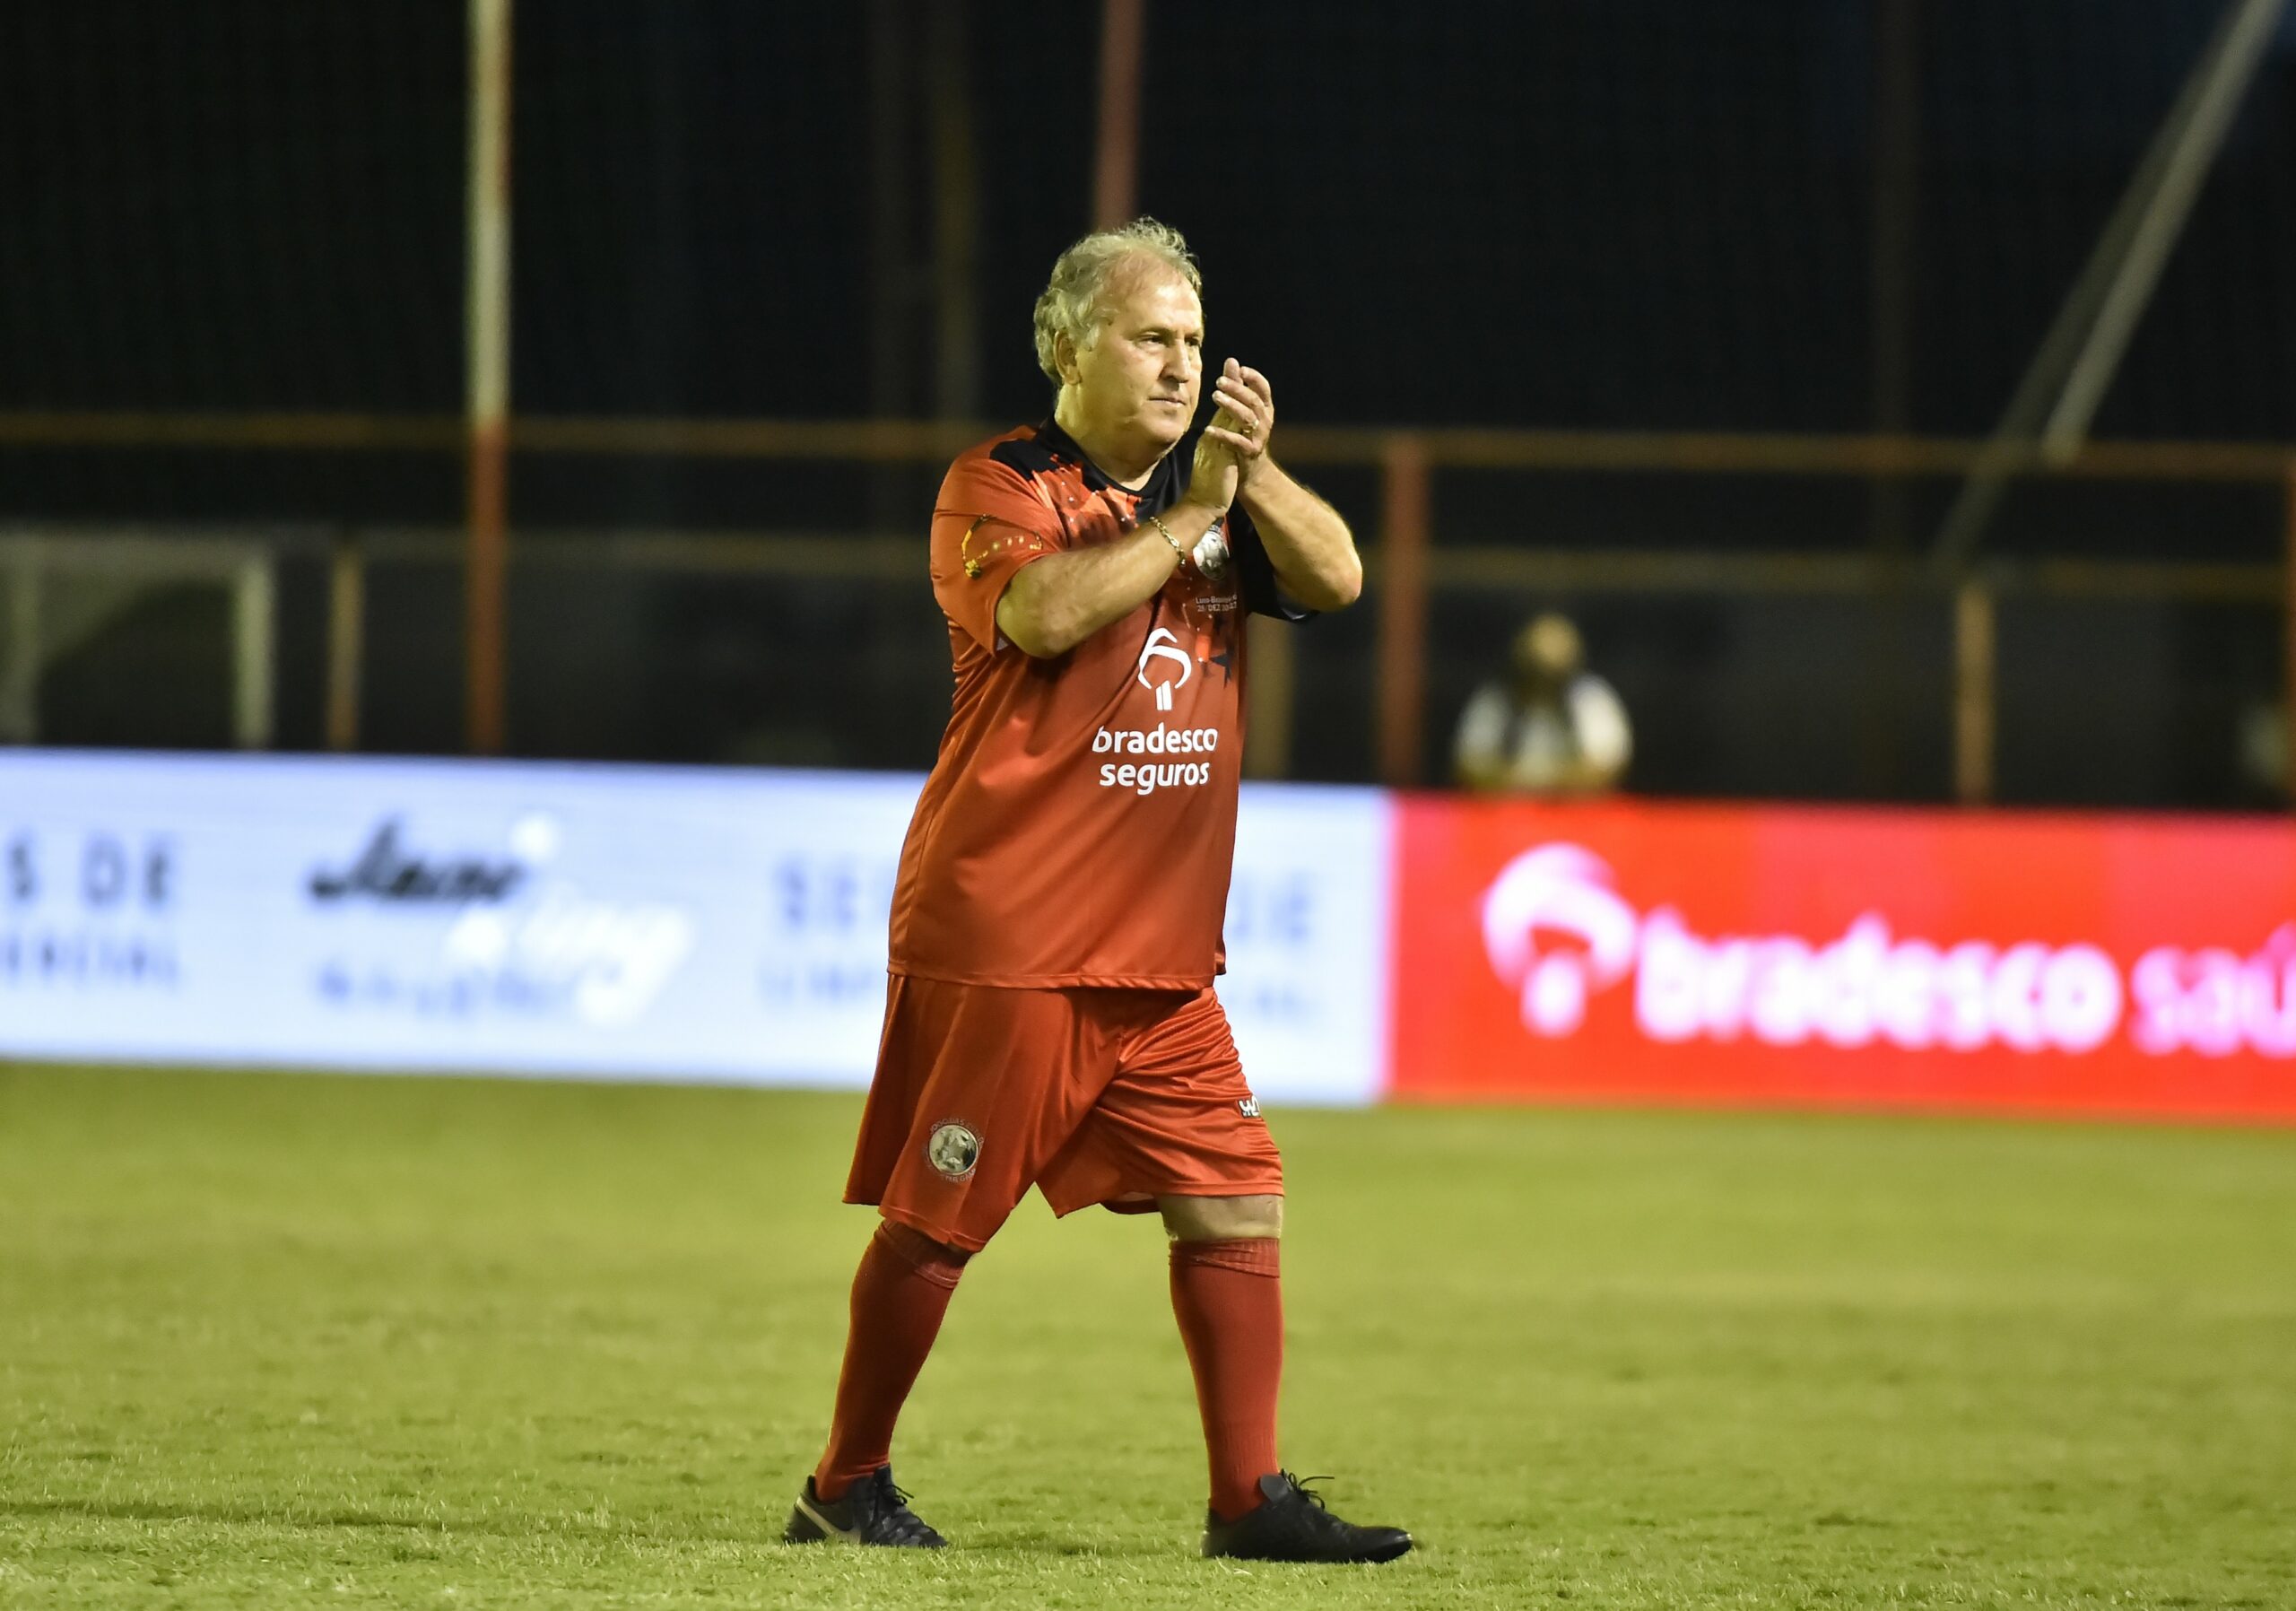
953,1150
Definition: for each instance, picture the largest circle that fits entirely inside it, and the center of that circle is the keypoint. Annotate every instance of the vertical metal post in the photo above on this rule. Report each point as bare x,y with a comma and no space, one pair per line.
1897,152
346,621
1116,171
894,278
254,611
1974,692
1270,697
956,213
488,313
892,342
1398,702
1896,188
20,673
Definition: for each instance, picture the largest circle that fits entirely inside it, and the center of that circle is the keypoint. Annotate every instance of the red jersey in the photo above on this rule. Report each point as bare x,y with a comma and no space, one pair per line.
1080,823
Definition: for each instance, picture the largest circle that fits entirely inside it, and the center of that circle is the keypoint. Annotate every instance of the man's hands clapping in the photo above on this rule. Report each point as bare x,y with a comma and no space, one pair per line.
1234,445
1246,417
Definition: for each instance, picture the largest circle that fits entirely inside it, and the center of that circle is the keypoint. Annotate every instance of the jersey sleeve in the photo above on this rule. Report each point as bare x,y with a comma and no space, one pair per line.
1255,581
989,524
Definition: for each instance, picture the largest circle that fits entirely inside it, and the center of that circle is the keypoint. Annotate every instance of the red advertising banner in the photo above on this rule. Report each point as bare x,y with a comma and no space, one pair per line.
1636,952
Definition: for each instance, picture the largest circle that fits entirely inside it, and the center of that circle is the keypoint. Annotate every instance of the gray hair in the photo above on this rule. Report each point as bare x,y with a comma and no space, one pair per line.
1070,305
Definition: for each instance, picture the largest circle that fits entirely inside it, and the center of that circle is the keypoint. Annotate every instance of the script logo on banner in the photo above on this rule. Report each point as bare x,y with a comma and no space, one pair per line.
1702,952
509,936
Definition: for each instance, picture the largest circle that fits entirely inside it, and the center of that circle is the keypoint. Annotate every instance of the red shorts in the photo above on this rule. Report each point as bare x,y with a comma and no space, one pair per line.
1115,1097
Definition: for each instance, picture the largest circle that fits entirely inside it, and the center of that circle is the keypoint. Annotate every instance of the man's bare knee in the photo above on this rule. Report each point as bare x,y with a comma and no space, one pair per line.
1222,1219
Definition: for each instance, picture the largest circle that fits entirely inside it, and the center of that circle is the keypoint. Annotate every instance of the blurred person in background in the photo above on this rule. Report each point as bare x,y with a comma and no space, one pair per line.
2263,754
1552,726
1049,1019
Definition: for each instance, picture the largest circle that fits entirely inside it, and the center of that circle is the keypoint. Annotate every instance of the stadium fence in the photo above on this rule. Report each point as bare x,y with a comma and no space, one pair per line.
1406,563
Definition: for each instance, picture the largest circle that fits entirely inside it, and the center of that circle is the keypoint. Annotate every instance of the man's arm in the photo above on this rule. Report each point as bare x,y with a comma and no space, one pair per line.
1310,545
1057,602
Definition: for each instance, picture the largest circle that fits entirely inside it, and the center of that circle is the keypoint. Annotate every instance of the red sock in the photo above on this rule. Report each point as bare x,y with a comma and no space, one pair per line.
1230,1302
900,1294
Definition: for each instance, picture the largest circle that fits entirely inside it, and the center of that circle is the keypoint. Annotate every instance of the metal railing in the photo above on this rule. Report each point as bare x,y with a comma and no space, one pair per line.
113,569
1407,565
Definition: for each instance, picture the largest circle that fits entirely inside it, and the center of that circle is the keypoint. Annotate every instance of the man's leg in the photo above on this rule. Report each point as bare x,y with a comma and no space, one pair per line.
1177,1129
900,1293
975,1089
1227,1295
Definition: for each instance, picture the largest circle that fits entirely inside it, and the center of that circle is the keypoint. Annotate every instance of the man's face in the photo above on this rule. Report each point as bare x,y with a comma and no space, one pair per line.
1140,378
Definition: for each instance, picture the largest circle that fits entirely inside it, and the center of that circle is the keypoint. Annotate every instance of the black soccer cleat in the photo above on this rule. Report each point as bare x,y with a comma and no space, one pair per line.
873,1512
1293,1525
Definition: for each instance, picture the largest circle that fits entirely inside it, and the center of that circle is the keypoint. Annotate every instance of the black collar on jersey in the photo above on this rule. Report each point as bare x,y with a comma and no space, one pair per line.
1048,446
1166,484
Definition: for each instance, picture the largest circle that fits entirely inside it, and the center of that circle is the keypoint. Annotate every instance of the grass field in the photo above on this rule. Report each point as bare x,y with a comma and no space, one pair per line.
269,1340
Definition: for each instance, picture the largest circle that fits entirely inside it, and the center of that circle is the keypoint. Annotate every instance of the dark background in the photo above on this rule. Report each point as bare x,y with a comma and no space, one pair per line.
1604,213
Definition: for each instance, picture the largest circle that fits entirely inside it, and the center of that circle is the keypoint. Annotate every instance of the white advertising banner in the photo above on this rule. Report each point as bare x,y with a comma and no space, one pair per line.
1308,931
627,922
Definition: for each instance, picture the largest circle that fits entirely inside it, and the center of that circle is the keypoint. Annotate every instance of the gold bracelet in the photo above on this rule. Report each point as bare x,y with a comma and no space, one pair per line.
1157,523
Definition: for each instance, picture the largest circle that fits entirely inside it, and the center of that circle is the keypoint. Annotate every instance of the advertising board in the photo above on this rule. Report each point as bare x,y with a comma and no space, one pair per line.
1710,953
650,923
629,922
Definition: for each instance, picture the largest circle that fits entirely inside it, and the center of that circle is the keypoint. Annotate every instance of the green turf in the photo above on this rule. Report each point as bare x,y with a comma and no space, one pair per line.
269,1340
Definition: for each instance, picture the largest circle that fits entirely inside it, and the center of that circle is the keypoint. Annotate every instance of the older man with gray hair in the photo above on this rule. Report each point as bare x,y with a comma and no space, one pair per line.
1049,1017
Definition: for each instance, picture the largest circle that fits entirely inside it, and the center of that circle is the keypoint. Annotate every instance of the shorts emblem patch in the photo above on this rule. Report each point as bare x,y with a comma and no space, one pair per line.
953,1150
1249,1107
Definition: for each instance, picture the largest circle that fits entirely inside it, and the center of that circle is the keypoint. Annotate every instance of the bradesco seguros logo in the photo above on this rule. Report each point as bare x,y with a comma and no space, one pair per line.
1162,648
1558,933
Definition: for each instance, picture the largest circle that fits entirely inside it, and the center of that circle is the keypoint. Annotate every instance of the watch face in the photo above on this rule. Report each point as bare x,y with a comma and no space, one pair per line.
1211,555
